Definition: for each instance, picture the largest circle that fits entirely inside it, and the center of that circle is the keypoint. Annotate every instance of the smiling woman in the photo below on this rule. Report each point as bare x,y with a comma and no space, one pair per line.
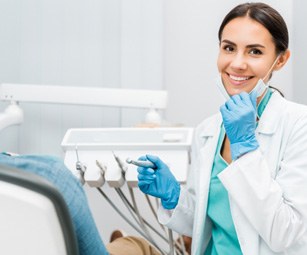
247,188
248,54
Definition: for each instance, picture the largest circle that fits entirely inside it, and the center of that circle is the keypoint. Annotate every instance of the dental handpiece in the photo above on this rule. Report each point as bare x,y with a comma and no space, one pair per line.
141,163
120,163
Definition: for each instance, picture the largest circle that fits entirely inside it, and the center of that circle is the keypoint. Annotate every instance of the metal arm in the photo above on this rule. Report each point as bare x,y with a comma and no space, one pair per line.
14,93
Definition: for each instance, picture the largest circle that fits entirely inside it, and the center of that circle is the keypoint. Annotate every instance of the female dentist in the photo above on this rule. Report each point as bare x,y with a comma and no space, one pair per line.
247,188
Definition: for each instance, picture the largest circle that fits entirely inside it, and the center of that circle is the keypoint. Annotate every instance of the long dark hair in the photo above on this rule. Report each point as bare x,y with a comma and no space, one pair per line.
266,16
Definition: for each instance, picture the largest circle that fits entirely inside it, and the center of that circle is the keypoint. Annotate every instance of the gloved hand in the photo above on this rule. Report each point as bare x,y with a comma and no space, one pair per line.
239,116
159,182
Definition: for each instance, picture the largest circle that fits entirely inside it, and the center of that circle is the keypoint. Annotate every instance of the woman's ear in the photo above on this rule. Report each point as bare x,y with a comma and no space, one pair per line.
283,59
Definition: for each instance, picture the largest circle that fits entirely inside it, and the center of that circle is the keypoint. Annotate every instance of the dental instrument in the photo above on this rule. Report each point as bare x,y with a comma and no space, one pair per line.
94,175
120,163
101,167
80,167
141,163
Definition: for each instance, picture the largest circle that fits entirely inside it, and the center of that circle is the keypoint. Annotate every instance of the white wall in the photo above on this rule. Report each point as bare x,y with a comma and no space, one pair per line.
78,43
299,52
148,44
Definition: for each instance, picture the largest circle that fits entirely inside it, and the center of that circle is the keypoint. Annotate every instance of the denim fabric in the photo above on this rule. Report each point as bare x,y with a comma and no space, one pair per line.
54,170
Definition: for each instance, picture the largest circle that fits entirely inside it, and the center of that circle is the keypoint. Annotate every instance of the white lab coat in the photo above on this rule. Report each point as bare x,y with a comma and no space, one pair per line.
267,187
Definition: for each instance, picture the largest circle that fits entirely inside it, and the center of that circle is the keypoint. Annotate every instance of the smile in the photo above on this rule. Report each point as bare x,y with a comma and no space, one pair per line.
239,78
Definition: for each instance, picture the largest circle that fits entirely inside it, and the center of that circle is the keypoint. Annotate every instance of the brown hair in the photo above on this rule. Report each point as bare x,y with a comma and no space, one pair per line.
265,15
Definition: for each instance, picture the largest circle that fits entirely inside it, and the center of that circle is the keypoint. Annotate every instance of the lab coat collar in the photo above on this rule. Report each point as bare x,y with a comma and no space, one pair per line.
269,120
210,128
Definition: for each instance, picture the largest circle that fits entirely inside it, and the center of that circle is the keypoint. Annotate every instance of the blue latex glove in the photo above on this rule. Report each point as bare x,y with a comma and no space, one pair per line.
239,116
159,182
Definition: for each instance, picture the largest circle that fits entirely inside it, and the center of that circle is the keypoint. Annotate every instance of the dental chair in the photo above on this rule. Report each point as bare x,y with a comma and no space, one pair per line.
34,219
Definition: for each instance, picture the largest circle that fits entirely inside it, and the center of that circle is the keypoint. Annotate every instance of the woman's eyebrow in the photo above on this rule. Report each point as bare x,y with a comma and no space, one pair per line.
256,45
228,42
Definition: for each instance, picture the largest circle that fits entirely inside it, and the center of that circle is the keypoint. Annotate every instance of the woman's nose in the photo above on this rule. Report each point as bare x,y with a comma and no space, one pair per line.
238,62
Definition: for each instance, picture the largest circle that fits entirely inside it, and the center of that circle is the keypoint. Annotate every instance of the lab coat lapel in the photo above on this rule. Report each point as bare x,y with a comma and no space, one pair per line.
209,137
267,129
268,124
269,119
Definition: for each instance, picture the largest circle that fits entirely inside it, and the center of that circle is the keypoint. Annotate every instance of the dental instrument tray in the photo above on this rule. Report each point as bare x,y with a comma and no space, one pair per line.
85,146
127,138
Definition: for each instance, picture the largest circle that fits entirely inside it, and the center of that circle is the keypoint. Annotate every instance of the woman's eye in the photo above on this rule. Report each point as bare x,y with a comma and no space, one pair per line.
255,52
228,48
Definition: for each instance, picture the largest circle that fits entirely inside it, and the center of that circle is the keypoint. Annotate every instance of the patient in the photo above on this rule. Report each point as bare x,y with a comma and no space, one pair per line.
89,240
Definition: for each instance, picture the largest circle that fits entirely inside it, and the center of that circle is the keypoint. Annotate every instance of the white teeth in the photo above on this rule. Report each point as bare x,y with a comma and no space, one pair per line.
236,78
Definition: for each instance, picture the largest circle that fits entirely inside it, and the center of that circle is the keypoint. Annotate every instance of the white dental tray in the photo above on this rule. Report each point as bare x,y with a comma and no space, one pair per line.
127,138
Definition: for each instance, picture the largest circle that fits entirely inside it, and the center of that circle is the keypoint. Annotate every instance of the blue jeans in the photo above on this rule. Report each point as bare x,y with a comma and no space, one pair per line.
54,170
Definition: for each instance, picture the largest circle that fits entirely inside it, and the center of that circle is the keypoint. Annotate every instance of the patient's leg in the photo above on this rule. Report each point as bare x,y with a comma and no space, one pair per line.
54,170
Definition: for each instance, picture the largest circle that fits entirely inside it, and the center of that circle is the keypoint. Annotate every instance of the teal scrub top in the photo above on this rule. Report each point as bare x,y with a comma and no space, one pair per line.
224,239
